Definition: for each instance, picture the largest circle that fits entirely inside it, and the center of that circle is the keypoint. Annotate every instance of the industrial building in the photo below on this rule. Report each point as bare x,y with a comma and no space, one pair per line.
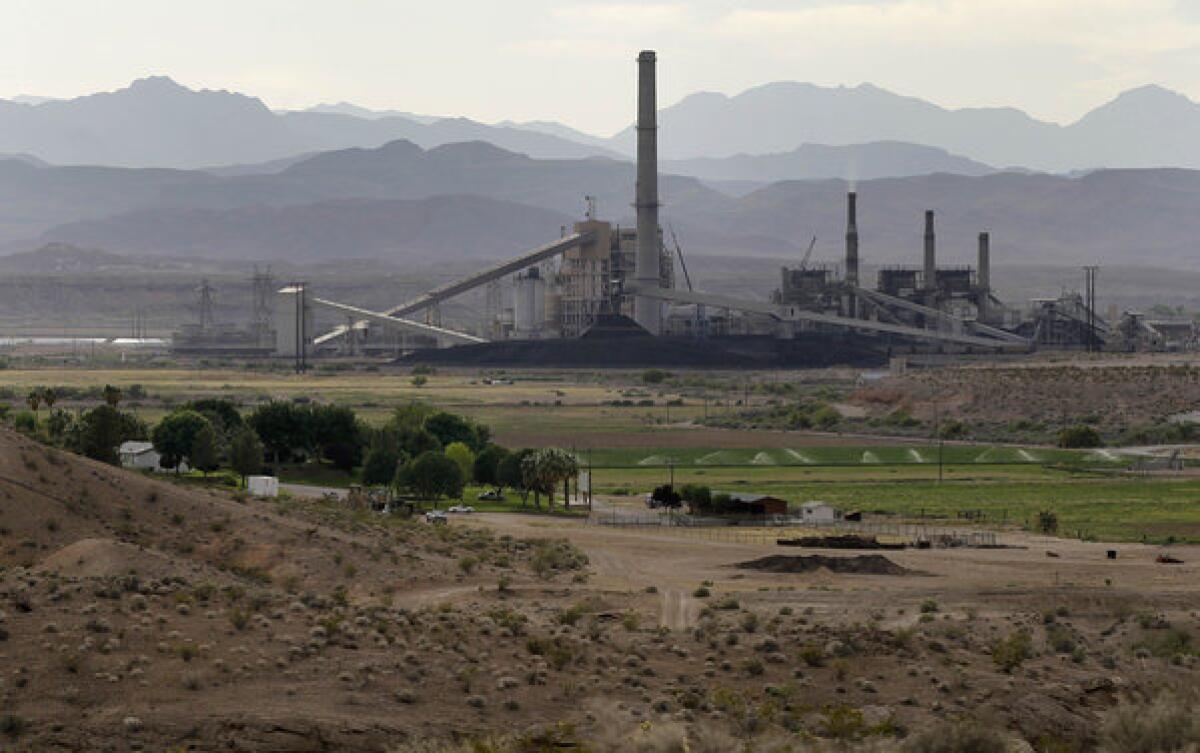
567,300
207,336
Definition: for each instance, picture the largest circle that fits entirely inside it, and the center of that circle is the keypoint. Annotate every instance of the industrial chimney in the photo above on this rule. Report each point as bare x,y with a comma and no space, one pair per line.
647,311
930,271
852,239
984,276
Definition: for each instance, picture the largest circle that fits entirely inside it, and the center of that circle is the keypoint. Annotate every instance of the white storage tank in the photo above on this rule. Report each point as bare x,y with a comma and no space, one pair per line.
263,486
529,304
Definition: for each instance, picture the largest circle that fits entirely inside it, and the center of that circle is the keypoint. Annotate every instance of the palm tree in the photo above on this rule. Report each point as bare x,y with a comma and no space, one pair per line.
544,469
565,467
112,395
34,401
533,475
49,397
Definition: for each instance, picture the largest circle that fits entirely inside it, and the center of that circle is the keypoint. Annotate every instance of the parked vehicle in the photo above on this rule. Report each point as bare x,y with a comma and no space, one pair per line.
461,509
491,495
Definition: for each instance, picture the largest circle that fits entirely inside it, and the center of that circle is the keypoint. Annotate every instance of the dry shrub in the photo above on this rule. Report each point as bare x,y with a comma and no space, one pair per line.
878,396
957,738
1168,724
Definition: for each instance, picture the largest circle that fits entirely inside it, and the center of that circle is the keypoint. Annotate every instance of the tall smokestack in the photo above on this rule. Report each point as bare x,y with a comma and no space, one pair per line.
647,311
984,275
852,238
930,279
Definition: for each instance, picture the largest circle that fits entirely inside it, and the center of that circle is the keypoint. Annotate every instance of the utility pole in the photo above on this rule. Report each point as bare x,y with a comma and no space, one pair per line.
301,334
1089,282
937,430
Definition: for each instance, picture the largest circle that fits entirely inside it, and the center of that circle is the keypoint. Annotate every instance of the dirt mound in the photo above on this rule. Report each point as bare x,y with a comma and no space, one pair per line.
61,512
103,558
863,564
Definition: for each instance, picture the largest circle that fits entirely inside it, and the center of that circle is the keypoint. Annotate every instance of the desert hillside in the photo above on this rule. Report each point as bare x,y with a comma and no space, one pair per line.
148,616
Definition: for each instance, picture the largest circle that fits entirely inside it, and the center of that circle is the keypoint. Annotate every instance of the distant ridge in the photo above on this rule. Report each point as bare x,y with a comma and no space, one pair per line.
1145,127
881,159
474,200
155,122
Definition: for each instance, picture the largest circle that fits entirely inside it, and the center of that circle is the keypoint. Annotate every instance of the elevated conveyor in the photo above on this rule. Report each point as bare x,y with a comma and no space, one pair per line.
396,322
885,300
458,287
790,313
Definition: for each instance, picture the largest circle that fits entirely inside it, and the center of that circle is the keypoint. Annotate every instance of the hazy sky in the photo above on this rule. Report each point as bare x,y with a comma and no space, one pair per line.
572,60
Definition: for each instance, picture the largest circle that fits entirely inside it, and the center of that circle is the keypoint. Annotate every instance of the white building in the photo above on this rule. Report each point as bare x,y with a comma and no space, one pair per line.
818,512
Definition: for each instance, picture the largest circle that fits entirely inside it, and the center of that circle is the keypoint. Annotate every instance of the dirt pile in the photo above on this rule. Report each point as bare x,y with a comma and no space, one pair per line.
863,564
846,541
102,558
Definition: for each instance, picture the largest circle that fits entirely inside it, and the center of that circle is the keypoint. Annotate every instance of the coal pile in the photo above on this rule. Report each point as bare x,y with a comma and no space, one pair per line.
605,350
863,564
848,541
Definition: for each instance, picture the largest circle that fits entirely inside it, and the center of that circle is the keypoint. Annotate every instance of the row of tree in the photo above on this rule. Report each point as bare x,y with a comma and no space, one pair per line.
699,499
420,450
433,454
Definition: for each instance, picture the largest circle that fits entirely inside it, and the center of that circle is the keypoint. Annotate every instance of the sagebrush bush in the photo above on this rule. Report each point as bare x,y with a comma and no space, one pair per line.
956,738
1168,724
1010,652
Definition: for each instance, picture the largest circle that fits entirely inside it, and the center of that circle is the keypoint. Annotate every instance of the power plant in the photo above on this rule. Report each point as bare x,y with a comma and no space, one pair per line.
602,294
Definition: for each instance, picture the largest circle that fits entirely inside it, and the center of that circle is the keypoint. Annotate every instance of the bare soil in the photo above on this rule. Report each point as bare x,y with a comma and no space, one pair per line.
1114,393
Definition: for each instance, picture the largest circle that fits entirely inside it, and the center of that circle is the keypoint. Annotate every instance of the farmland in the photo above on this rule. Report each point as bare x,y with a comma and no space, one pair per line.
634,436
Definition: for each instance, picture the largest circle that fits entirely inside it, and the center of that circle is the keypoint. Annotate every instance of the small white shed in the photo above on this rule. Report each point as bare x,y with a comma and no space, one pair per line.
818,512
140,456
263,486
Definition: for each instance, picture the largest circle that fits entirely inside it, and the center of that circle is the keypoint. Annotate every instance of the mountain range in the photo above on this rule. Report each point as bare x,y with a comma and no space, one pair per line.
34,199
1145,127
879,159
156,122
473,200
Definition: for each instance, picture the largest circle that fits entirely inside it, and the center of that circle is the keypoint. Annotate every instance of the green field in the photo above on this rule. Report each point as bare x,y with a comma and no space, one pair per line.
869,455
1155,510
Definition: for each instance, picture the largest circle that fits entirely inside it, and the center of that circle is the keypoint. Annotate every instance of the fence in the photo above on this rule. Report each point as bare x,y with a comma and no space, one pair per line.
767,529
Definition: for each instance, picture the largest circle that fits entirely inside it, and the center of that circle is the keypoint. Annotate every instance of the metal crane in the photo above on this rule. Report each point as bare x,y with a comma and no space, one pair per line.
679,252
699,319
807,255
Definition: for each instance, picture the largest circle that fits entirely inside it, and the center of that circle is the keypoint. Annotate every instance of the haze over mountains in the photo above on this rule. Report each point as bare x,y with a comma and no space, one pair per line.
33,199
474,200
155,122
1145,127
880,159
421,230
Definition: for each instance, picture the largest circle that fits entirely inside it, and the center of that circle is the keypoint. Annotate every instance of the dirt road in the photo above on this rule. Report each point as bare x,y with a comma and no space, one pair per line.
675,564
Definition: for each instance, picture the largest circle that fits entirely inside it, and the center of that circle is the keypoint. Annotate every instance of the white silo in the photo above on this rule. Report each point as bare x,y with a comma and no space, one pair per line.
529,305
